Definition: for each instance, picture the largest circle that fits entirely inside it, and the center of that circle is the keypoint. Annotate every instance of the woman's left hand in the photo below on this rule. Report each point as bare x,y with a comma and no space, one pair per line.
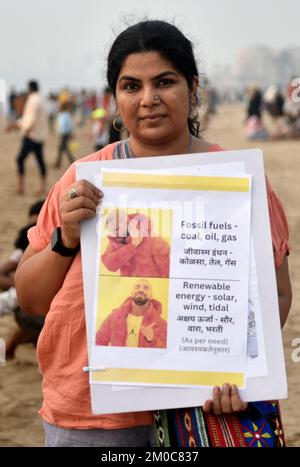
225,400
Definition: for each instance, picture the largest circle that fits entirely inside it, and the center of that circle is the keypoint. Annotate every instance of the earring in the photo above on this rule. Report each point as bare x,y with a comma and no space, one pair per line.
194,99
117,120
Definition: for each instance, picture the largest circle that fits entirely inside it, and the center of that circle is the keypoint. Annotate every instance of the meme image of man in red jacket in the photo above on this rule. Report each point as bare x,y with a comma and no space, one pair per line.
136,323
132,248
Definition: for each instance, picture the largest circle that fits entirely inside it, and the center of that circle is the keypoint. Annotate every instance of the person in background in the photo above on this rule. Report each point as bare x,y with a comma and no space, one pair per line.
34,129
254,127
20,101
292,108
52,110
254,105
29,327
273,103
100,128
12,106
8,268
208,104
108,103
64,96
64,129
80,100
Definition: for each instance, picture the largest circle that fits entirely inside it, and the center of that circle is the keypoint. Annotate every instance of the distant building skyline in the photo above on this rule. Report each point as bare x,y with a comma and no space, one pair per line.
261,65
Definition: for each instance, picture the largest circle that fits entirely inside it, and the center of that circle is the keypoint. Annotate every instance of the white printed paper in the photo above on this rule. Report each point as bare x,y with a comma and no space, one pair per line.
206,291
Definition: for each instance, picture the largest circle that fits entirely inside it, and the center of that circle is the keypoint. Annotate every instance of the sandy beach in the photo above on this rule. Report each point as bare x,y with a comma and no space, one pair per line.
20,381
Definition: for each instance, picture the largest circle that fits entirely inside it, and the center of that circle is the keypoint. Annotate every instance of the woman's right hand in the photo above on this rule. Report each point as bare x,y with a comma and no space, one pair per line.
74,210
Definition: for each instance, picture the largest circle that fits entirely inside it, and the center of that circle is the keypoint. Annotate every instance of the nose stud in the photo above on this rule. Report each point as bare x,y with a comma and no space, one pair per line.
156,98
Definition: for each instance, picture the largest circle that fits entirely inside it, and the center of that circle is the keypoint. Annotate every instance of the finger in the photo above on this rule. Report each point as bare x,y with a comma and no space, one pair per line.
72,214
236,402
90,191
77,216
86,185
78,203
84,188
151,326
207,408
217,408
74,218
226,399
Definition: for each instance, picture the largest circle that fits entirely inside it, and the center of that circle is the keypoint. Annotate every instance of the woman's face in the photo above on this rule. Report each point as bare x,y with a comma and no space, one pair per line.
143,76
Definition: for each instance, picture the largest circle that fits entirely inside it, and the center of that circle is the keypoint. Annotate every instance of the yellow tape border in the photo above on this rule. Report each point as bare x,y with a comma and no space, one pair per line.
172,377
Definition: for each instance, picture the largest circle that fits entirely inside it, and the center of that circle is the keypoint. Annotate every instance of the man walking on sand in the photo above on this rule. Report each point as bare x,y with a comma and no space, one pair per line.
34,129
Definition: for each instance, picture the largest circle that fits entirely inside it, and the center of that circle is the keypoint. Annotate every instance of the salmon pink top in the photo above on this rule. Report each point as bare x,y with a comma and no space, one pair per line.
62,348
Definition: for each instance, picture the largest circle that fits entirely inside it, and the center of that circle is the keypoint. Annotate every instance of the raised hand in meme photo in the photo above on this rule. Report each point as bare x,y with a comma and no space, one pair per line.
133,249
137,322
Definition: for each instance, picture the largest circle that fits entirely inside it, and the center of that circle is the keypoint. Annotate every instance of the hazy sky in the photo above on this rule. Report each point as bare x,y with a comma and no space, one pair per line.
65,42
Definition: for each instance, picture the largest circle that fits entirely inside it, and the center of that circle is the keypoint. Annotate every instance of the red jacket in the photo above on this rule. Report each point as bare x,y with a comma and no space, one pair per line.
151,258
114,329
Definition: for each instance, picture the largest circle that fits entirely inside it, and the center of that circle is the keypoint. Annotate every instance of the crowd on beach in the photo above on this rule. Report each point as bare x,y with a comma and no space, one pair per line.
67,109
61,114
282,108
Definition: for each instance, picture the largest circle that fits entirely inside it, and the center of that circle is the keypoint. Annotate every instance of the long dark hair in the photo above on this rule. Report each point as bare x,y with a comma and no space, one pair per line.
156,36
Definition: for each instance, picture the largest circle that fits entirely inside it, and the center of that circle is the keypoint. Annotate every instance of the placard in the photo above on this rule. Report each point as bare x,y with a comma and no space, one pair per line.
106,399
197,259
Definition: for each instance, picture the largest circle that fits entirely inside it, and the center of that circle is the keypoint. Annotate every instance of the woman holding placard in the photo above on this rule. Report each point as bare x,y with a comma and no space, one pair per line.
153,75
